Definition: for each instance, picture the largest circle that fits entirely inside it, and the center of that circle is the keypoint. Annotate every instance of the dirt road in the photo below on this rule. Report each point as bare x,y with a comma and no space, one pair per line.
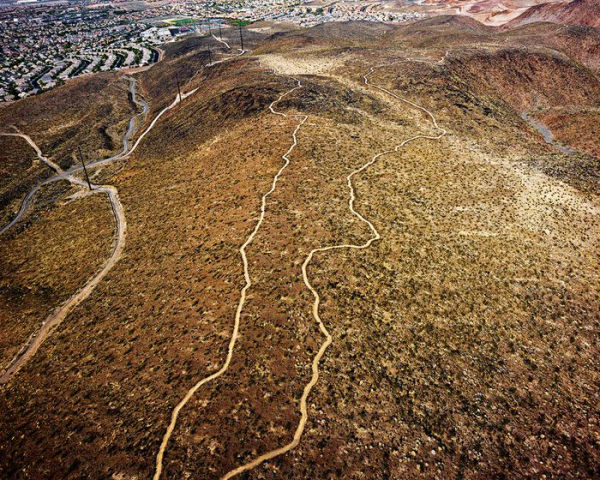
61,312
68,174
56,317
29,350
60,175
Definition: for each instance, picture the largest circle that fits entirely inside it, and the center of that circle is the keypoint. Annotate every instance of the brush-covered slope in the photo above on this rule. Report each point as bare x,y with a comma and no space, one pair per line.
463,340
576,12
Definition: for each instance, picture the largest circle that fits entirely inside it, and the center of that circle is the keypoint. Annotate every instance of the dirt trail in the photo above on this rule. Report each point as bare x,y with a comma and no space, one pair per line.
31,347
140,102
38,152
137,99
317,299
221,41
60,175
56,317
229,55
175,102
65,174
248,284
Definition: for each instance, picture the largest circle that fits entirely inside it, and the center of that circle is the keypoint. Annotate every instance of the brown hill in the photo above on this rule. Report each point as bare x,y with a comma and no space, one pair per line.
527,80
578,42
577,12
464,340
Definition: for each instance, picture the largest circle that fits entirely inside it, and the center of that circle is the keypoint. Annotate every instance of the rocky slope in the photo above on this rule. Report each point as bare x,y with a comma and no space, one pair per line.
464,340
576,12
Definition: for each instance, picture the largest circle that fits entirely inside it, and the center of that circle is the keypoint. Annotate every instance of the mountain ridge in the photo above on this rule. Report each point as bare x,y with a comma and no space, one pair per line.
576,12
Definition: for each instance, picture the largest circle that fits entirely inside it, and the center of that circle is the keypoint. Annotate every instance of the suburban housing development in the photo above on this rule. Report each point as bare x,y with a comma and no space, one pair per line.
45,44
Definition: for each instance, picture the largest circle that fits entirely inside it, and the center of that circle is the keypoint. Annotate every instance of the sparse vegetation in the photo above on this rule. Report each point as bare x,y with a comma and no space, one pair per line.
464,341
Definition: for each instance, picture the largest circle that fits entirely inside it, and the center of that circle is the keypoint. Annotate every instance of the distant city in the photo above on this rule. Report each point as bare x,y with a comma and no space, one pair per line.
43,44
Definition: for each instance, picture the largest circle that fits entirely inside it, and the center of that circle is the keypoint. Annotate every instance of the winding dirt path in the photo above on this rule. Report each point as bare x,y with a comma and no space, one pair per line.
175,102
37,150
248,284
317,299
59,314
230,55
60,175
221,41
65,174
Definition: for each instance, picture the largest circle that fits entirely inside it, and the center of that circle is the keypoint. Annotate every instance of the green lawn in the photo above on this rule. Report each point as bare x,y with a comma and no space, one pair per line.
181,22
237,23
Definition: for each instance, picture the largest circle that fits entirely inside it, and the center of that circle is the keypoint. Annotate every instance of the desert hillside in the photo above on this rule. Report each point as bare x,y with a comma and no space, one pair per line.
576,12
345,252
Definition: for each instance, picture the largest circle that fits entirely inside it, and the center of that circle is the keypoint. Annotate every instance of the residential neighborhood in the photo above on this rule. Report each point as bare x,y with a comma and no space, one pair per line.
43,44
42,47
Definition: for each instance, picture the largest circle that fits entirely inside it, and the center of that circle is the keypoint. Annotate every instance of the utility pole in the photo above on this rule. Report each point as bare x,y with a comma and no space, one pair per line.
84,169
241,36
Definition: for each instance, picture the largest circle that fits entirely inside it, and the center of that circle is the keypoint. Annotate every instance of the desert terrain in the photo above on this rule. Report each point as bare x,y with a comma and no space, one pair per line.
342,252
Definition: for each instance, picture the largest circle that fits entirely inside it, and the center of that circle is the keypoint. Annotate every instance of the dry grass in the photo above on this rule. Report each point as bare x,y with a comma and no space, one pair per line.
19,171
